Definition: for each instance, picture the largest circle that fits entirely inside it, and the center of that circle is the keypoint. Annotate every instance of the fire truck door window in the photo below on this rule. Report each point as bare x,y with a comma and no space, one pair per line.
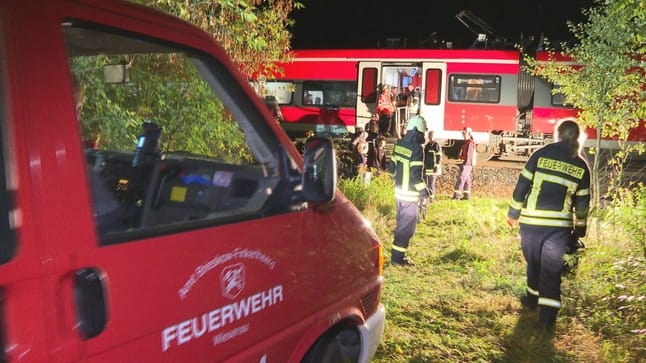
474,88
7,231
176,145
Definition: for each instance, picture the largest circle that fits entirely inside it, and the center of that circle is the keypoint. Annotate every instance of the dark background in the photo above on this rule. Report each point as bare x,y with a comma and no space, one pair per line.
326,24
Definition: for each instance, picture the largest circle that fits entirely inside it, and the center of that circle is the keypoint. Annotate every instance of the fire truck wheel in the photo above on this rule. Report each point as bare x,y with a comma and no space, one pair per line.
335,346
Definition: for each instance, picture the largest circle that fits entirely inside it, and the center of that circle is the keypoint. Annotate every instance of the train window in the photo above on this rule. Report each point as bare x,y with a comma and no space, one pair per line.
281,90
433,86
369,85
558,98
474,88
336,93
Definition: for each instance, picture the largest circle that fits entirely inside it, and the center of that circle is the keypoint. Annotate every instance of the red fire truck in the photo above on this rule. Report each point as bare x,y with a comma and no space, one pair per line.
511,113
152,211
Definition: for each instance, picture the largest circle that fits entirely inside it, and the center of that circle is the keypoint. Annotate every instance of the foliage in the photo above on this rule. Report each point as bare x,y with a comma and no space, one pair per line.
460,302
607,81
255,33
163,89
378,192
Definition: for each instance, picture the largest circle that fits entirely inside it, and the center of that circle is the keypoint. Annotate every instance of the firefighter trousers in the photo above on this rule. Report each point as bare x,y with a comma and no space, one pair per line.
406,225
544,248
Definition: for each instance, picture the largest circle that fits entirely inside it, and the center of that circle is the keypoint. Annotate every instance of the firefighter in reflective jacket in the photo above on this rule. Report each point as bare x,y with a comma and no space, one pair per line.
406,163
551,202
432,164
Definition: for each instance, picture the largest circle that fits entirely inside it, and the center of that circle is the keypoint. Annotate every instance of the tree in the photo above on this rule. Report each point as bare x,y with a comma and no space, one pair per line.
255,33
606,81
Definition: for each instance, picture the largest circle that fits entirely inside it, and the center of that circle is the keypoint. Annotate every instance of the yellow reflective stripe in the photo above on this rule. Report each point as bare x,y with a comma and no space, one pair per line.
399,249
549,302
561,181
560,166
406,195
580,223
403,151
516,205
546,214
532,291
466,191
583,192
420,186
406,192
406,199
417,163
545,222
539,178
527,174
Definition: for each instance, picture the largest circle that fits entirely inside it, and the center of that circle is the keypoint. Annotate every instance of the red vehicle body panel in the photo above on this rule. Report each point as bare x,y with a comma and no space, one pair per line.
160,291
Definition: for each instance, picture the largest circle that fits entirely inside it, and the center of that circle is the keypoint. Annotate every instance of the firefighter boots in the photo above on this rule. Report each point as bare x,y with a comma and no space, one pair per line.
547,318
529,302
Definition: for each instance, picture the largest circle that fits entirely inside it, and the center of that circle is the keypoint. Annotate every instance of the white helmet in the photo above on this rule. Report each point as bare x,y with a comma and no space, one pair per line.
416,122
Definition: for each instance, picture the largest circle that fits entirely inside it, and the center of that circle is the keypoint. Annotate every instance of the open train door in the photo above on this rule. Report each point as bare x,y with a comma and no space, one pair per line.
432,98
367,93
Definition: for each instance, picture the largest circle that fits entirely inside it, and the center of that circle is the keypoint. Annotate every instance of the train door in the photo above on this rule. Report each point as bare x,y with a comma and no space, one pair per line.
367,93
404,81
432,101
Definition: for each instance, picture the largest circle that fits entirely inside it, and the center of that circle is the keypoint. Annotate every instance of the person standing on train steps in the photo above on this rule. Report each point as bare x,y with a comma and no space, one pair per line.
385,109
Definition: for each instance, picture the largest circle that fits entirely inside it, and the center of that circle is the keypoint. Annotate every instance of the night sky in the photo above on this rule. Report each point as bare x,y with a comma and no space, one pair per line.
367,23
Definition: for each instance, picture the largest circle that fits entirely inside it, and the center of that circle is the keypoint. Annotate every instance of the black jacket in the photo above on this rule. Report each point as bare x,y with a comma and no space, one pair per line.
553,190
432,157
407,162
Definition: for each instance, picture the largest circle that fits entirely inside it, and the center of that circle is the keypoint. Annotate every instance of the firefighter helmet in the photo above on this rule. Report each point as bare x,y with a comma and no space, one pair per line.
417,122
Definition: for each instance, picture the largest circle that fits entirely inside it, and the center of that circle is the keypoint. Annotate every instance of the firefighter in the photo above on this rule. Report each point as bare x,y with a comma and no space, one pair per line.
551,202
432,164
406,164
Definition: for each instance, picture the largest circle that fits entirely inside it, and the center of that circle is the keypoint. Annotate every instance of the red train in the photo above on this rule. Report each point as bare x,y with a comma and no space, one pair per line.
331,92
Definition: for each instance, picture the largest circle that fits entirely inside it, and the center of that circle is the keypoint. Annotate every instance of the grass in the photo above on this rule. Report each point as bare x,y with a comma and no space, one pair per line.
460,302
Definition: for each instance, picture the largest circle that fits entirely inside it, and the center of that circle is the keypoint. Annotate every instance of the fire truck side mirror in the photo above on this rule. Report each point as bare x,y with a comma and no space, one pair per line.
319,170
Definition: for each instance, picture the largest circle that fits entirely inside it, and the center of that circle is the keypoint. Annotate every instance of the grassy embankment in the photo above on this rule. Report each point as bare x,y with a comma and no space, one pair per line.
460,302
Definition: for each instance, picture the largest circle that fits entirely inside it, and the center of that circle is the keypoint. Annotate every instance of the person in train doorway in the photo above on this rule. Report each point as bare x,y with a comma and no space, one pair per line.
406,163
551,202
412,100
466,160
385,109
432,164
